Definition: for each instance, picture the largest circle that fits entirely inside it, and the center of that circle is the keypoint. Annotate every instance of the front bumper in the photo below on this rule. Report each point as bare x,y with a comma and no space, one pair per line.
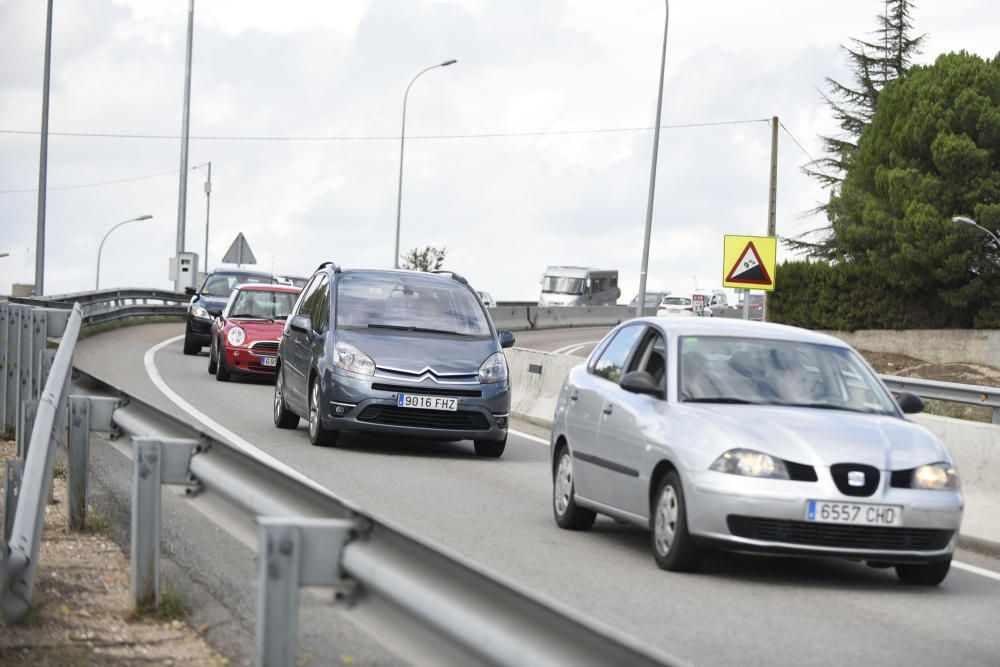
769,516
198,331
353,404
246,362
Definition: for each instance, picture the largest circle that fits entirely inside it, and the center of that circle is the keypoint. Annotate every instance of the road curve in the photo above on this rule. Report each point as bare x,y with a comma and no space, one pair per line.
738,610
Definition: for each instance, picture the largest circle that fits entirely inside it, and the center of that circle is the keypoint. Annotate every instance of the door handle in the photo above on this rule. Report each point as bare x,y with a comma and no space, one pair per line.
608,409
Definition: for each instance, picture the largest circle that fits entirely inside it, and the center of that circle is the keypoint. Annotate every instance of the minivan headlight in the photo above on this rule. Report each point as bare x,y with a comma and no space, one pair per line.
236,336
352,359
199,312
935,476
749,463
493,369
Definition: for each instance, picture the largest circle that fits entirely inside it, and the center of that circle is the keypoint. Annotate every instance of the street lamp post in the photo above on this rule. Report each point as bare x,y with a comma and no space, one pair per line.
208,204
970,221
402,142
640,308
100,249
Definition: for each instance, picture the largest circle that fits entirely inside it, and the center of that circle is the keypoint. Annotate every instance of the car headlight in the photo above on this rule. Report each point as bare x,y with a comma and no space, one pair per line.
236,336
352,359
199,312
749,463
935,476
493,369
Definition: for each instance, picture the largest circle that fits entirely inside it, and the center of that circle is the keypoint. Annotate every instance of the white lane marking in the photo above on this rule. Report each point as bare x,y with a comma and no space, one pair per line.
570,349
983,572
150,362
528,436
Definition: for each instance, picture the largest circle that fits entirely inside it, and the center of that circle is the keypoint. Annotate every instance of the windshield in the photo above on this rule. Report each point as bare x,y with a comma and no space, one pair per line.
652,298
561,285
261,305
409,301
676,301
775,372
221,284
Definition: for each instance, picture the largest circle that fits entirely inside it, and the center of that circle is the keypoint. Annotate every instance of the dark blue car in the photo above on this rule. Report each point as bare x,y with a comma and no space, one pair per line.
399,353
209,300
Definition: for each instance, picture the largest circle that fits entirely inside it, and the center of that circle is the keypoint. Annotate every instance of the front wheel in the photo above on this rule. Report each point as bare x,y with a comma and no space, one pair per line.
319,435
927,574
213,361
673,547
191,348
567,513
283,417
222,373
490,449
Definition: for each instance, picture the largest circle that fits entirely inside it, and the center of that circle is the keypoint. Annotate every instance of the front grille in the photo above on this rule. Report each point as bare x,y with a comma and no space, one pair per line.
838,536
436,391
265,347
901,479
841,473
392,415
800,472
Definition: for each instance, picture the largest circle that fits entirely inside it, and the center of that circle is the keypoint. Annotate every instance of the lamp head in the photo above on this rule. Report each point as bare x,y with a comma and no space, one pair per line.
963,219
144,217
447,62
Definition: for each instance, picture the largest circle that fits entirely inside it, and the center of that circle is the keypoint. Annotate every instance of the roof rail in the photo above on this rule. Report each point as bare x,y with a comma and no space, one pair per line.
453,275
336,267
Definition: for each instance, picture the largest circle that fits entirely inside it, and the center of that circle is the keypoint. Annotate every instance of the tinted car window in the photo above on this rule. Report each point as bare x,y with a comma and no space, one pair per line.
611,363
651,357
219,284
409,301
310,305
260,304
320,310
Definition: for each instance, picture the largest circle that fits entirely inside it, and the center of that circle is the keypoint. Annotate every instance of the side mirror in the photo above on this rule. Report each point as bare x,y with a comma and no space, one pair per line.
506,338
641,382
910,403
215,313
190,291
301,323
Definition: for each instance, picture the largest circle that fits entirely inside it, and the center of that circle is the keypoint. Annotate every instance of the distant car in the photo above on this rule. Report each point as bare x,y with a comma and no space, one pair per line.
399,353
751,437
209,300
756,303
294,281
675,306
245,336
488,300
653,299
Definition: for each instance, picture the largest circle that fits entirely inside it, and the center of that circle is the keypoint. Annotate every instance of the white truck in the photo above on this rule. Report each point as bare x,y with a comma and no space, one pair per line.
579,286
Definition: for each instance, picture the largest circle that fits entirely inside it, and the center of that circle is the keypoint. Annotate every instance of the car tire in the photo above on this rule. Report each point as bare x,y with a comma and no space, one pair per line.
490,449
191,348
283,417
319,435
222,373
567,513
927,574
213,361
673,547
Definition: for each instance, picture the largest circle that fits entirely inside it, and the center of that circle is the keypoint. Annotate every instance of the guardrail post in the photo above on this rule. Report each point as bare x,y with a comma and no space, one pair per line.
292,552
11,374
26,423
13,470
79,457
39,329
146,523
996,415
4,315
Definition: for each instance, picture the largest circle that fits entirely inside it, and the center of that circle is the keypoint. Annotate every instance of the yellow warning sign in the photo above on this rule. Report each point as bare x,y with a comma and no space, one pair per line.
748,262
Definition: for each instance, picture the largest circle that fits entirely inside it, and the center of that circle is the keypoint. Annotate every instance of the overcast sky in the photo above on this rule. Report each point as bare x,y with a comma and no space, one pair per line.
503,206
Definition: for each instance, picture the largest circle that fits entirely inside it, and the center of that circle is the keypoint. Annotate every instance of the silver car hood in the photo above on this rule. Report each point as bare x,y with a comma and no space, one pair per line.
821,437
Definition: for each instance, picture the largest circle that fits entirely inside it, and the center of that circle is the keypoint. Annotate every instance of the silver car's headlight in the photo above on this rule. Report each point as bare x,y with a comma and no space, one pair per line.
352,359
199,312
749,463
493,369
935,476
236,336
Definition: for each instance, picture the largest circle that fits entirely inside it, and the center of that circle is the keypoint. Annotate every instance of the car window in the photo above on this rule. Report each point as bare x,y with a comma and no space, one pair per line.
220,284
676,301
611,364
778,372
304,295
320,310
651,356
408,301
261,304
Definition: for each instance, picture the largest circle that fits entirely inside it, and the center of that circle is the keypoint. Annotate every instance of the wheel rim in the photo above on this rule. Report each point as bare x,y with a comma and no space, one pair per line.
314,410
665,526
564,484
277,397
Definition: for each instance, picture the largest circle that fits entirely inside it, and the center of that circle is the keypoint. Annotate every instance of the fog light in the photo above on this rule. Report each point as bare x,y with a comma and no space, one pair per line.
340,410
502,422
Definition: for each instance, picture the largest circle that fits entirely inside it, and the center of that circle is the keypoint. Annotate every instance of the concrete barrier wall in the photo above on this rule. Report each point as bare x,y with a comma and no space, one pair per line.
511,318
523,318
537,377
940,346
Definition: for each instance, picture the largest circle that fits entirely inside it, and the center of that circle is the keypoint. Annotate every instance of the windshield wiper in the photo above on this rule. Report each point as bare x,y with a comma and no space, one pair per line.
719,399
822,406
420,329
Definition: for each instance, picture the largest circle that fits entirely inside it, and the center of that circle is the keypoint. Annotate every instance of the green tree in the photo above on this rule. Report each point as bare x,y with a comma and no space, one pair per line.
427,259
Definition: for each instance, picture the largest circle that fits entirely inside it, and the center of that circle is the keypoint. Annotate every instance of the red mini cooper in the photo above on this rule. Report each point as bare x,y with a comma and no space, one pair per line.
245,337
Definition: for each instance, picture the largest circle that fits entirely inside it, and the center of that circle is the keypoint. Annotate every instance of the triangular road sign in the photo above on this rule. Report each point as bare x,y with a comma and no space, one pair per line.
749,268
239,252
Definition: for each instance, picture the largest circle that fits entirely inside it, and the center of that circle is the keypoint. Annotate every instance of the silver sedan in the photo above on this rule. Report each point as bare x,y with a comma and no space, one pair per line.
717,433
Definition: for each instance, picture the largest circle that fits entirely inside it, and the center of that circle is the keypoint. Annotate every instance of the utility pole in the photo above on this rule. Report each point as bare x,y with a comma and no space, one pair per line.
43,162
772,204
182,198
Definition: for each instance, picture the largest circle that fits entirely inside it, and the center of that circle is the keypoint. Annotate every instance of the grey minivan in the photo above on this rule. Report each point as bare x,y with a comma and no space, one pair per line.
398,353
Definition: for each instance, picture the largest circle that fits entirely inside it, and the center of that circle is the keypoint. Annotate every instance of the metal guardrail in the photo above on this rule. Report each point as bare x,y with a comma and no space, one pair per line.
114,304
306,536
971,394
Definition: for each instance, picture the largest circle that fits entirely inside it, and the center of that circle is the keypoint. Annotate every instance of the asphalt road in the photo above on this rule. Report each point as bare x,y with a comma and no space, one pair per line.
739,610
578,341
